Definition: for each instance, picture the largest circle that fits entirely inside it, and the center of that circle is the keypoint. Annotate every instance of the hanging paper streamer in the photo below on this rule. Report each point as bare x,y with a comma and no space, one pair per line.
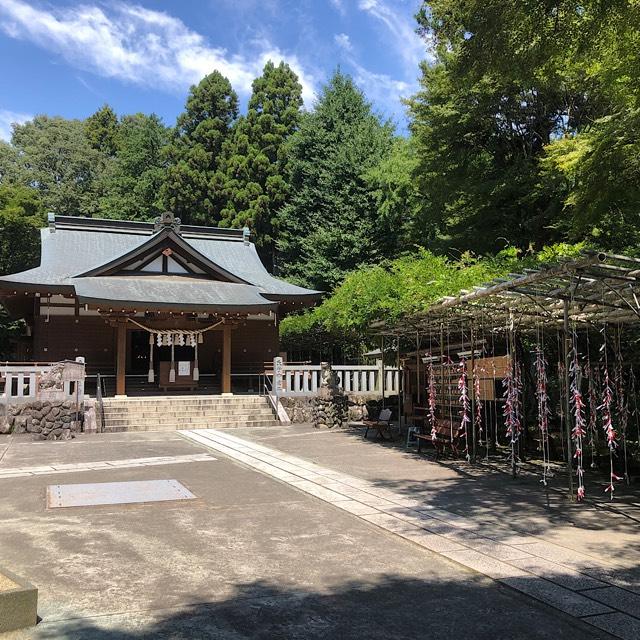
579,423
512,386
543,410
196,370
592,401
607,426
151,374
172,371
464,404
478,402
621,404
432,401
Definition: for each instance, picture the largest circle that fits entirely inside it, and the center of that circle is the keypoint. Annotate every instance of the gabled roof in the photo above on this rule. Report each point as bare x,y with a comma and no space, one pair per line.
77,249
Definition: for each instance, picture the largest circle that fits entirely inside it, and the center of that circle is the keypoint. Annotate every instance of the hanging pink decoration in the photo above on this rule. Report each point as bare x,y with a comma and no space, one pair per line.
511,404
464,404
478,402
578,431
592,398
543,410
607,426
432,400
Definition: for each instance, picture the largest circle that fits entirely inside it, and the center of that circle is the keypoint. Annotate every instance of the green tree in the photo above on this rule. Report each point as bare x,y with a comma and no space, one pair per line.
329,225
101,130
21,216
559,79
54,157
397,200
194,184
132,184
255,156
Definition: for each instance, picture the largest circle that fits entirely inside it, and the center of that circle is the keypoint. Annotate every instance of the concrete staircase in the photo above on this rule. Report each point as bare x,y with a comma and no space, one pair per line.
168,413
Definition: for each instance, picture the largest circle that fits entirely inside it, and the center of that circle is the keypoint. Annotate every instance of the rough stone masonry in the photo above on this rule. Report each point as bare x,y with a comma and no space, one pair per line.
47,420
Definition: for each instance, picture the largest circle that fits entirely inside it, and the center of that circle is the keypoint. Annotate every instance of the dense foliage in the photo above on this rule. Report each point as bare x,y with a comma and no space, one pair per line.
396,288
527,123
329,227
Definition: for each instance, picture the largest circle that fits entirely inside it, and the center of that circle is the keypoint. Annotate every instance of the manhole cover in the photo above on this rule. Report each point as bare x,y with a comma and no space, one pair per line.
87,495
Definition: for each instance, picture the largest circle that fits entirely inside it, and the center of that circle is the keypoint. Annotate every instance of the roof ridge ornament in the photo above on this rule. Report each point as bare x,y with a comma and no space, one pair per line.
167,220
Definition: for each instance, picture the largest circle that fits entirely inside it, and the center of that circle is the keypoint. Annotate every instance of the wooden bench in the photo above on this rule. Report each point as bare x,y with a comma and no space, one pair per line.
381,425
444,431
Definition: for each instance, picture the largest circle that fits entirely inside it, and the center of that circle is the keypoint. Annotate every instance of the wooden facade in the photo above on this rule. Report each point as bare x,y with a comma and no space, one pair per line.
137,295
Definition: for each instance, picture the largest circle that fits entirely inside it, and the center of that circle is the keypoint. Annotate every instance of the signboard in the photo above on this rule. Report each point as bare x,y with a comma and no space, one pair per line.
184,368
278,374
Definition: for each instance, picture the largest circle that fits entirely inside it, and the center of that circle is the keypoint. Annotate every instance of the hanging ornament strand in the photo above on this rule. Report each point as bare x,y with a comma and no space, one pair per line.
464,405
577,403
511,401
592,399
432,399
607,420
621,403
543,409
478,401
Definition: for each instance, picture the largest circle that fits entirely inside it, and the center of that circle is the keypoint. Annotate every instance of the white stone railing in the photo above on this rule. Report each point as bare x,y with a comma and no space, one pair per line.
21,383
304,380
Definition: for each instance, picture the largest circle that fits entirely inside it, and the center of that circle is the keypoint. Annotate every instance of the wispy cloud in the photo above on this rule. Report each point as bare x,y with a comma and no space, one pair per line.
401,25
338,5
7,118
343,41
142,46
384,91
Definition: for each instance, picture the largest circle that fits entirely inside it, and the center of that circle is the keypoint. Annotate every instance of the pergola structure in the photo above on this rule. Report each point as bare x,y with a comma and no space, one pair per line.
591,291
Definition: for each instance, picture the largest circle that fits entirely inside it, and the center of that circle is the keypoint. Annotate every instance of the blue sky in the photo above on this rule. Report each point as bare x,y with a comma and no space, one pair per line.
68,58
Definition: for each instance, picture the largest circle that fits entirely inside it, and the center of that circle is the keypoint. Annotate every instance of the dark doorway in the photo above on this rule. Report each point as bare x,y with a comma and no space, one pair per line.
139,352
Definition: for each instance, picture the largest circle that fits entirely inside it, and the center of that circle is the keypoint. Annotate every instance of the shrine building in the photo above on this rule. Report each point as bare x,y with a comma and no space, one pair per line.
152,306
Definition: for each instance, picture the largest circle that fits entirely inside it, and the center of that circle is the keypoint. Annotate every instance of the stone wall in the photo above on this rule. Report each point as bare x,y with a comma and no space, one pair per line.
330,408
300,410
46,420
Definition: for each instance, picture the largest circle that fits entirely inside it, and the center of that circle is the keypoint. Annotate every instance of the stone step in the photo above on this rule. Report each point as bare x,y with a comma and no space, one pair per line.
187,409
165,405
170,413
176,427
143,412
186,398
189,419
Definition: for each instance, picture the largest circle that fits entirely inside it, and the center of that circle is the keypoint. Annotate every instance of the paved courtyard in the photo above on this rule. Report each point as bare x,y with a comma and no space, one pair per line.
273,547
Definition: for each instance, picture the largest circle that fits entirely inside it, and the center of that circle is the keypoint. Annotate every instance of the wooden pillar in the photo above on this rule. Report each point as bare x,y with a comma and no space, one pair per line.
121,357
226,359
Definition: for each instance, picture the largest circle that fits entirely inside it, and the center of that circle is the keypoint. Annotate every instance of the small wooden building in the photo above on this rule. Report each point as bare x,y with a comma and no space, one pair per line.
161,304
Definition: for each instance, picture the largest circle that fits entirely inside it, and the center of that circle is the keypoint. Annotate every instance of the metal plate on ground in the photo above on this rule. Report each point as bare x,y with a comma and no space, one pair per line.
100,493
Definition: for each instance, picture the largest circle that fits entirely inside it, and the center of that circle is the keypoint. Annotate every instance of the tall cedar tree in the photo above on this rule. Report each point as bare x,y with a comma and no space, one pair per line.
329,226
255,159
194,184
101,130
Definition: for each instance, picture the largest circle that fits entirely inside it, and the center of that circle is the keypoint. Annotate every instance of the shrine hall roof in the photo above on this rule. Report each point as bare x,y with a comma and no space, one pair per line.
81,255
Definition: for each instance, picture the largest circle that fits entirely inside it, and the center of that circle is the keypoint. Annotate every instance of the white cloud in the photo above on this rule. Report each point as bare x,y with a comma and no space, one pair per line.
140,45
383,90
343,41
401,24
338,5
7,118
